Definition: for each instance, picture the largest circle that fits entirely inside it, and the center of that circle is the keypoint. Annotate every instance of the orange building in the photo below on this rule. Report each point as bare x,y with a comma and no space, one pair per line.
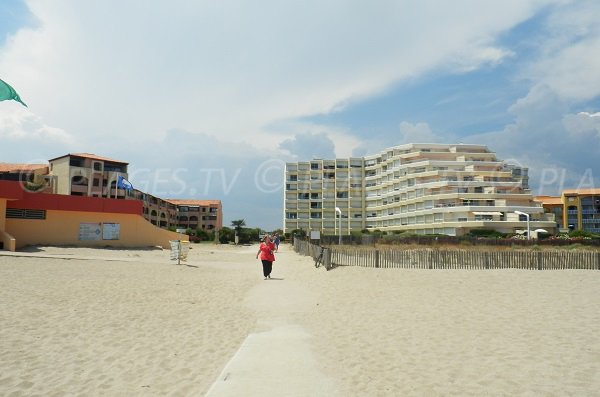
579,209
77,184
28,218
198,214
87,174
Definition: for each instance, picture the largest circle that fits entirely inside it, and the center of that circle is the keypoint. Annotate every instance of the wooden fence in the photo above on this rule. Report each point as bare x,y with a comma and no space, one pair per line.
451,259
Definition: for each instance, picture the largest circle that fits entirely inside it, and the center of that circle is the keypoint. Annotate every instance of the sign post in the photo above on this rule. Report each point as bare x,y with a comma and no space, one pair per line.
179,250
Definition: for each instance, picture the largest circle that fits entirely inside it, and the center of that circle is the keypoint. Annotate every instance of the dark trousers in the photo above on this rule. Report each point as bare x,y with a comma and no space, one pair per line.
267,267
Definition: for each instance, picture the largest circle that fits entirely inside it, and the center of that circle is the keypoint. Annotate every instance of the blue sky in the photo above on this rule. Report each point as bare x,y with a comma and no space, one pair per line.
208,100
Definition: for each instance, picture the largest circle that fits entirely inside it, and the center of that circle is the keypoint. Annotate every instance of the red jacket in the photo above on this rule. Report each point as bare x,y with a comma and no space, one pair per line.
266,252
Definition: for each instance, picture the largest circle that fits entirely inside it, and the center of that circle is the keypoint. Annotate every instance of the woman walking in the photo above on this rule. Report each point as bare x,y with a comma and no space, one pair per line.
267,257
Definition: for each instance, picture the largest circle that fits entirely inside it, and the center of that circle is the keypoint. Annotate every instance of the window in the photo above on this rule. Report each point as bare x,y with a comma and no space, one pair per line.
96,182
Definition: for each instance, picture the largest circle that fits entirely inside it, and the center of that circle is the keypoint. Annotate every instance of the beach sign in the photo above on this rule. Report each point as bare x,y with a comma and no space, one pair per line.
179,250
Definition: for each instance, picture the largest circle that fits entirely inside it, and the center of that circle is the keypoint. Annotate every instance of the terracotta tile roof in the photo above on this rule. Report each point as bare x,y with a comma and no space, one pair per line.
194,202
582,191
12,168
90,156
549,200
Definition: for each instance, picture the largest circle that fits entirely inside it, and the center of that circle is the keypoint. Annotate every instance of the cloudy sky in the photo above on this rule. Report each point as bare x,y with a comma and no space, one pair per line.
208,99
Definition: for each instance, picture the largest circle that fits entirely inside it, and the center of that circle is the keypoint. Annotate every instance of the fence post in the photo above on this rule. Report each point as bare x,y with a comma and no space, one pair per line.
376,258
539,260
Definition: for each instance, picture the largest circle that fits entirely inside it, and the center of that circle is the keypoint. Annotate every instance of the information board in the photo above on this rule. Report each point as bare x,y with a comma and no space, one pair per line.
111,231
90,231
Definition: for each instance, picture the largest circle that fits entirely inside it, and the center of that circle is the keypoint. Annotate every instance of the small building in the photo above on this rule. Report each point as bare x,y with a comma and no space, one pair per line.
198,214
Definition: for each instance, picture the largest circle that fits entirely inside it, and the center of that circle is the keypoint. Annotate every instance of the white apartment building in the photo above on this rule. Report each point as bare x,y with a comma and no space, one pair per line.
422,188
314,189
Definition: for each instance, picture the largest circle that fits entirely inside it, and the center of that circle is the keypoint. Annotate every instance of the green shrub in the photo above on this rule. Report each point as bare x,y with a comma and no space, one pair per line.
226,235
487,233
299,233
202,235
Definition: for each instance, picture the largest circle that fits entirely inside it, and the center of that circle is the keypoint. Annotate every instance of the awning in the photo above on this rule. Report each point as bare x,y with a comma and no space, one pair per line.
487,213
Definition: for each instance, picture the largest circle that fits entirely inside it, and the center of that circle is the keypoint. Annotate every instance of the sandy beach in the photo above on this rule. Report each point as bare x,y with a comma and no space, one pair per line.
104,322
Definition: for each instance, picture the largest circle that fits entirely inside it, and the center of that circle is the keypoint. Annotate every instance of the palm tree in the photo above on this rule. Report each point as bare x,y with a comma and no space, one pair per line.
238,224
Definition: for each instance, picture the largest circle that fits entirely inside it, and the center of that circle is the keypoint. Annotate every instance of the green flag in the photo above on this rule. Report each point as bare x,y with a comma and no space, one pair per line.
7,93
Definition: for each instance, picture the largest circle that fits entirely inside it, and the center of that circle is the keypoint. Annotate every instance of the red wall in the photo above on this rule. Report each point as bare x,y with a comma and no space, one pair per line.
19,198
11,190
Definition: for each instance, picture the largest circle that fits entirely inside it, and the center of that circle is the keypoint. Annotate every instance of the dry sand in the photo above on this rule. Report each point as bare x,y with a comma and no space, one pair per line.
132,323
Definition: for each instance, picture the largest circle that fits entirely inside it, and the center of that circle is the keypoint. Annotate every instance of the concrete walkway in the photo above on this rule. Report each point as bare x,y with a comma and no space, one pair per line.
277,360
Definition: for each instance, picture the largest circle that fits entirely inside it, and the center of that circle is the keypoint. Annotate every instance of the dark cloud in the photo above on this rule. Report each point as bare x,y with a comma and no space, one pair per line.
200,166
560,148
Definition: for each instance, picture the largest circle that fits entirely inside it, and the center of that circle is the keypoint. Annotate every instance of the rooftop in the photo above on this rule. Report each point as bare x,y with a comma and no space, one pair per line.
194,202
90,156
582,191
548,200
8,167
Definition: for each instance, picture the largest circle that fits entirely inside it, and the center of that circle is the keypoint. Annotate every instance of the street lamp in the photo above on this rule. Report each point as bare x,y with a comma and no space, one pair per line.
527,216
339,212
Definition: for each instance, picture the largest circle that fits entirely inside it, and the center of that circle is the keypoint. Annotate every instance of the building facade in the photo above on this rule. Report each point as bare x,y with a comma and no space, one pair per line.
314,189
198,214
582,207
86,174
420,188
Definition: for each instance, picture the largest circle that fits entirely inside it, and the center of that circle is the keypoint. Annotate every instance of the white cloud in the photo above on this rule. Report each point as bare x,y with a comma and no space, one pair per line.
114,68
569,62
418,133
309,146
18,124
582,124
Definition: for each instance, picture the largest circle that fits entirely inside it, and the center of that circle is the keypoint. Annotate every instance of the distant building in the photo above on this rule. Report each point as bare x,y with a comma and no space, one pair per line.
90,175
198,214
421,188
553,205
34,177
579,209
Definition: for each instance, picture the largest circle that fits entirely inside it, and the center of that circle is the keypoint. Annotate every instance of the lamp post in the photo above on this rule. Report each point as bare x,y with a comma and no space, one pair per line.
527,216
339,212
